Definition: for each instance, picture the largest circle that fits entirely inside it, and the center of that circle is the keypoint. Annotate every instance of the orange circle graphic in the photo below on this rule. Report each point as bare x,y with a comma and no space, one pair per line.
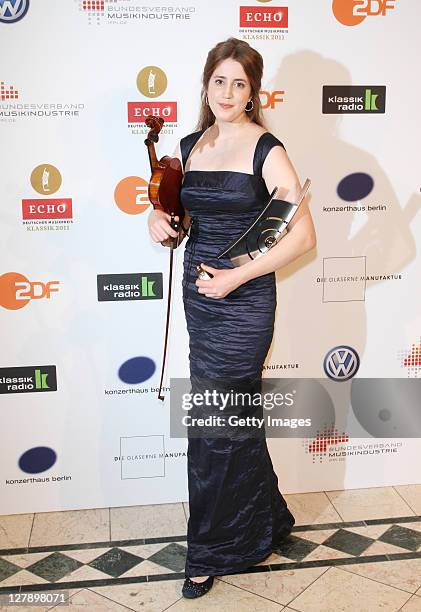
131,195
8,290
344,12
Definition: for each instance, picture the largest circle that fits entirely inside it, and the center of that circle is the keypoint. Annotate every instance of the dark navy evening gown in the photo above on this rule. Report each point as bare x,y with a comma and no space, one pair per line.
237,514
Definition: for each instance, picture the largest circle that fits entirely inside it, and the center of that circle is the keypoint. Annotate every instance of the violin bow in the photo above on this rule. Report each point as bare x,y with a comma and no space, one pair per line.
172,181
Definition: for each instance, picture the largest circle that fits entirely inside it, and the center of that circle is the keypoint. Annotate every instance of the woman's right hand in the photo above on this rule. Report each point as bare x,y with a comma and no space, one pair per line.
159,226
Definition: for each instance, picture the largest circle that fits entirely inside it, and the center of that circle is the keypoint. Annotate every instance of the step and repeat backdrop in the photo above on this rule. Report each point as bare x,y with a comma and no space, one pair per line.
83,289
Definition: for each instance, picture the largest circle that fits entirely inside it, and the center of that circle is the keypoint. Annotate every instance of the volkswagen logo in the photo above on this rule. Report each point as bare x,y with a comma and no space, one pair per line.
13,10
341,363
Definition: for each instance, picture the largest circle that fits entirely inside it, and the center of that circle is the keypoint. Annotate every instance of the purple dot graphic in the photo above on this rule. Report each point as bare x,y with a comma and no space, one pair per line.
37,459
355,186
136,370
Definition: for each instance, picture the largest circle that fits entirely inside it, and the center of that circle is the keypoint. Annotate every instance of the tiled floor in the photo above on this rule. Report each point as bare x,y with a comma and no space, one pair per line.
356,550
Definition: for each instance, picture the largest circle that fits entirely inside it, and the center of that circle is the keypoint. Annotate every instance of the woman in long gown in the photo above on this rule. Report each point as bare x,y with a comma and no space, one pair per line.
231,164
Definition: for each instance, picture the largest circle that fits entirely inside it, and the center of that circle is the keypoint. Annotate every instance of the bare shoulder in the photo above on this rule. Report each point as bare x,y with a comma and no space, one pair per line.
278,169
278,158
177,151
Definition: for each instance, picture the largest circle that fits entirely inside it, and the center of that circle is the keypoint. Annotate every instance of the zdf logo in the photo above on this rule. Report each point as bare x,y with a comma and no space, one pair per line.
270,98
16,290
353,12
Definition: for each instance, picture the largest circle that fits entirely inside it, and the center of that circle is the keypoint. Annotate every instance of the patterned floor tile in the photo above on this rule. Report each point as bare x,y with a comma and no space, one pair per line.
295,548
225,597
152,597
317,535
412,605
86,572
340,591
370,531
54,567
163,560
7,569
402,536
115,562
324,552
145,550
415,526
404,574
88,600
24,560
146,568
22,578
15,530
348,542
68,527
382,548
279,587
412,495
172,556
86,554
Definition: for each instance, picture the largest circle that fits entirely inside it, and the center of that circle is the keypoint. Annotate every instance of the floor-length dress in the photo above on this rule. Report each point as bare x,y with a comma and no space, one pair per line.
237,513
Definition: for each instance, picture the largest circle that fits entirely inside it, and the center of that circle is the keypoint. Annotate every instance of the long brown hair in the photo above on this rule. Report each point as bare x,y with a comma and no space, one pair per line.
252,63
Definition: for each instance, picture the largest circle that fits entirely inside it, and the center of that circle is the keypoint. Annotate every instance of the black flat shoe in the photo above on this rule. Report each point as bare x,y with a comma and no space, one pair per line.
191,589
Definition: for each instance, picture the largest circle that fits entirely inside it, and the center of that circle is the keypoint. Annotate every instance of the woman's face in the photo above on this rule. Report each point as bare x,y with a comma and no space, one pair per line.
229,91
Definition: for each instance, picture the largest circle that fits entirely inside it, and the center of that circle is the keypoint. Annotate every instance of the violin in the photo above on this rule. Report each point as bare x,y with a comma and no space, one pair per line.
165,183
164,194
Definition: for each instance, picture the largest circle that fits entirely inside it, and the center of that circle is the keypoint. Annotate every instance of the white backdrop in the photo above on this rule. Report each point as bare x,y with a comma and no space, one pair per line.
68,75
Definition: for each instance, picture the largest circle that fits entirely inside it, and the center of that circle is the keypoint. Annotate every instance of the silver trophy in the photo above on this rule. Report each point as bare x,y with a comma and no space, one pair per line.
267,229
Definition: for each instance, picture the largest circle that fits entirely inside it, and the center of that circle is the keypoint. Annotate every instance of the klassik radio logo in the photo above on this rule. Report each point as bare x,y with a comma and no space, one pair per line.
16,291
28,379
122,287
152,82
13,10
351,99
46,213
353,12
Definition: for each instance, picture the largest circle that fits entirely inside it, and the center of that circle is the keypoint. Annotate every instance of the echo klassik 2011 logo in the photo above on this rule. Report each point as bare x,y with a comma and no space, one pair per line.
12,11
264,17
353,12
46,213
152,82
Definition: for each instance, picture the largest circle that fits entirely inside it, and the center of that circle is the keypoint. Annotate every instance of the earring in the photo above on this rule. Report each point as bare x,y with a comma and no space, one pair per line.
206,100
248,110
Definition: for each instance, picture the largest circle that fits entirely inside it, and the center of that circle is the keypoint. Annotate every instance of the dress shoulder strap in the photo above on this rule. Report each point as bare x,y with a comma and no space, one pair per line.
187,143
265,143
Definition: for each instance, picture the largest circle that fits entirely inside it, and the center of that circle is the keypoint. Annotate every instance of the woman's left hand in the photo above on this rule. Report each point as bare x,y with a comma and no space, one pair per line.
223,282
